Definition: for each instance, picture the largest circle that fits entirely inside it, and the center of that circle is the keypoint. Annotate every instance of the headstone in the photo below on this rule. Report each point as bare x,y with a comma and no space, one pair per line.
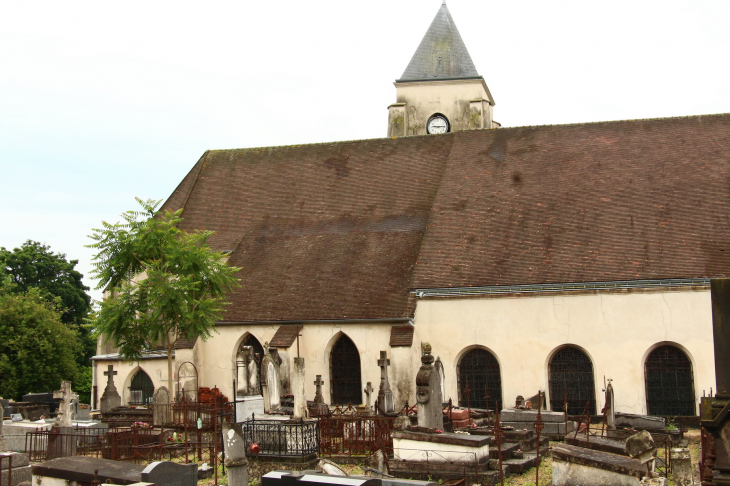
270,382
331,468
428,393
161,407
234,447
442,374
254,386
610,410
386,405
187,381
681,467
377,462
519,401
110,399
16,417
241,375
318,398
300,399
65,409
641,446
368,394
171,474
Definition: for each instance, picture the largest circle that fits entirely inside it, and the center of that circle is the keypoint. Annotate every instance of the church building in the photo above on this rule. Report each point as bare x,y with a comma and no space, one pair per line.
545,258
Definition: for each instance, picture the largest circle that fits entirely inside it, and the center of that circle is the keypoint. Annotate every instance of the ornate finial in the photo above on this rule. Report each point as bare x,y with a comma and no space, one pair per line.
426,348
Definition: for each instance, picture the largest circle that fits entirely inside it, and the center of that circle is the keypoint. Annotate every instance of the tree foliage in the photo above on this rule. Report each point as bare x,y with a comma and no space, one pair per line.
162,283
37,350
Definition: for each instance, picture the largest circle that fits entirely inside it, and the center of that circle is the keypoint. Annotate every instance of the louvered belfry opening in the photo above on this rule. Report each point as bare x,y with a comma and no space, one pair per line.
480,370
345,373
571,377
669,382
141,390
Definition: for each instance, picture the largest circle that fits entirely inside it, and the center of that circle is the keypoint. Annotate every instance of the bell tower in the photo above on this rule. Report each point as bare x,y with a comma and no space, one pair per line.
440,90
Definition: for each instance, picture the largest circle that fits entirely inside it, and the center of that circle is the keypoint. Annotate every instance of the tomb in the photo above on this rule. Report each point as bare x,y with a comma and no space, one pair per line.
110,399
555,423
68,471
386,406
578,466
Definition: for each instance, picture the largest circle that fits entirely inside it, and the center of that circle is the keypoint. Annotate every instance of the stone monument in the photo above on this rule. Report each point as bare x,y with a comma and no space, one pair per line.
610,410
428,393
110,399
249,400
368,393
270,381
386,405
161,407
234,447
300,399
66,397
318,398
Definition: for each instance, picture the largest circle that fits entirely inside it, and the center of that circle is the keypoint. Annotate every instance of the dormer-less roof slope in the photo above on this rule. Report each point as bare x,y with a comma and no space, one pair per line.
441,54
346,230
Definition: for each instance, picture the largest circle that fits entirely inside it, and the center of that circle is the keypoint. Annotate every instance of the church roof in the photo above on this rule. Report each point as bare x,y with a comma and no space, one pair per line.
441,54
346,230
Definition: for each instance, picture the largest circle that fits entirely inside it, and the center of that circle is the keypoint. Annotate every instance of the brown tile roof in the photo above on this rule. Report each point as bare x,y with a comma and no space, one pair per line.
401,335
627,200
334,231
325,231
184,343
285,336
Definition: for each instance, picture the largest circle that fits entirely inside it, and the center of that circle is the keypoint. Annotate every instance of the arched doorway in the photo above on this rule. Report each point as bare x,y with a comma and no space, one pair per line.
480,370
249,385
669,382
345,372
571,377
141,390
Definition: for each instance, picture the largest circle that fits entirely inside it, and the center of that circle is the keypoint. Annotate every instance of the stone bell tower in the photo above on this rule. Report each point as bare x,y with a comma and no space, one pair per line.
440,90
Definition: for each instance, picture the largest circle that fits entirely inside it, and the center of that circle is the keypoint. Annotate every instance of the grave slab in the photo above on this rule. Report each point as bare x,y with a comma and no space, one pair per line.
512,415
597,443
574,466
640,421
247,406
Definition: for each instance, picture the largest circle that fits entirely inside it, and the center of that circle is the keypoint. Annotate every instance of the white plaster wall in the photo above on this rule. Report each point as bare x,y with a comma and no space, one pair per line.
450,98
315,344
155,368
616,330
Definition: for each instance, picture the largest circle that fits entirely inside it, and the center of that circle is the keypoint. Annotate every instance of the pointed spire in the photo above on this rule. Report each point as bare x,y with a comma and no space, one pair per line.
442,53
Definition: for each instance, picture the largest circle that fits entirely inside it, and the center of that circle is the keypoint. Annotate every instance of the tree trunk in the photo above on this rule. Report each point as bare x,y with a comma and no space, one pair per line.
169,371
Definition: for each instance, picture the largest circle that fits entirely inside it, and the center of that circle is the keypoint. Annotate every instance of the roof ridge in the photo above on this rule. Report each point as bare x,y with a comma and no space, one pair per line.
616,121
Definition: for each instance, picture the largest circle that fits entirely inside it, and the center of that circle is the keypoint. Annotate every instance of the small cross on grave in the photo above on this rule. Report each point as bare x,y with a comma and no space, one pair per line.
368,393
318,398
110,374
385,394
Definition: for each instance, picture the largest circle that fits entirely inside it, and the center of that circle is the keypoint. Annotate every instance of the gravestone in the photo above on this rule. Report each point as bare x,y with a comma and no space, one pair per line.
386,405
110,399
254,386
168,473
187,382
161,407
442,374
428,393
66,398
368,393
300,399
610,410
234,447
270,382
318,398
682,470
241,375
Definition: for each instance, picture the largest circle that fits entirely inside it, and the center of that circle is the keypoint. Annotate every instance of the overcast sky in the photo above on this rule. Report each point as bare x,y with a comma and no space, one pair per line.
104,101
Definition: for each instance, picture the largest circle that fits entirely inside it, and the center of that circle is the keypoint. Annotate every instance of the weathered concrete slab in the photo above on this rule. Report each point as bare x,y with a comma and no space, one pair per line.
574,466
551,428
515,415
640,421
597,443
445,438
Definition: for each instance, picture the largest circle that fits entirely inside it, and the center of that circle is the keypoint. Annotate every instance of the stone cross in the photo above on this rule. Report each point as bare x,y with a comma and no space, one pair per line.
318,398
386,404
110,399
65,412
368,393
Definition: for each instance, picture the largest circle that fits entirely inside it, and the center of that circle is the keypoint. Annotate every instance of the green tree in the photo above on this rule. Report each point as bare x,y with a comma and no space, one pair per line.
37,350
34,265
161,282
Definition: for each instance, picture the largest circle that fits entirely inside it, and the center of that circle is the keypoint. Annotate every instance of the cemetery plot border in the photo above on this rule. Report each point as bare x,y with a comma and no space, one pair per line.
278,438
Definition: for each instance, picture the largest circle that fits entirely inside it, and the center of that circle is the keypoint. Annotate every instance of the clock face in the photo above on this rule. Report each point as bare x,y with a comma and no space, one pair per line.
437,124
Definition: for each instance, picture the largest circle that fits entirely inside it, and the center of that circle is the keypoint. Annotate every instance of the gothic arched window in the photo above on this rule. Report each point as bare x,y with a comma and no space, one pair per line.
141,390
345,372
571,377
669,382
479,370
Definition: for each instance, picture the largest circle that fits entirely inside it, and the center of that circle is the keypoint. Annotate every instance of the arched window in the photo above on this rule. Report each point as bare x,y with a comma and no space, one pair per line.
141,390
345,372
669,382
571,378
479,370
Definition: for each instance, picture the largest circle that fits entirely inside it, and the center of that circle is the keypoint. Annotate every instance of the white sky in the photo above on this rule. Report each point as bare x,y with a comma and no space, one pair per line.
104,101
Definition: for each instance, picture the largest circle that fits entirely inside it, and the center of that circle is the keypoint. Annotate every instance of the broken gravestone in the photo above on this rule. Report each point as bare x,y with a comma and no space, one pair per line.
428,393
641,446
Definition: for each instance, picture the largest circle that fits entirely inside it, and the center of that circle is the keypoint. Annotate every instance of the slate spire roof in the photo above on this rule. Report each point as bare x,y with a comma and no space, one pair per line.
441,54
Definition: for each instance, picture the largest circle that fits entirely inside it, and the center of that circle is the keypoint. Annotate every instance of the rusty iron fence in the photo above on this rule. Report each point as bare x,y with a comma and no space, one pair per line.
355,435
190,414
6,458
281,438
707,456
